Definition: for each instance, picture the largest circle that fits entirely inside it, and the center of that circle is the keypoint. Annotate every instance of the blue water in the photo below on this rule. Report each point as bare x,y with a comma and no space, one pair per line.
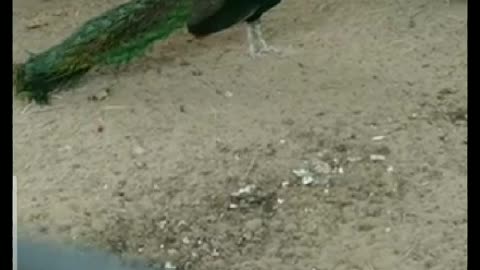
41,256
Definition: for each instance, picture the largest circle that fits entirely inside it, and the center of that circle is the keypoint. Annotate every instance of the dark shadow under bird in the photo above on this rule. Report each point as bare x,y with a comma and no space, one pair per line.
212,16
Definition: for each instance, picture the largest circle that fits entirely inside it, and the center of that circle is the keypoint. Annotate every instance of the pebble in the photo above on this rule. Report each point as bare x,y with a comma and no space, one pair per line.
377,157
138,150
307,180
378,138
140,165
233,206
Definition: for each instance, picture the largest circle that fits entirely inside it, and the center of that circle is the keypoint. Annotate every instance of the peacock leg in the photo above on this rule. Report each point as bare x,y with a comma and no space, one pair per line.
257,44
257,30
252,48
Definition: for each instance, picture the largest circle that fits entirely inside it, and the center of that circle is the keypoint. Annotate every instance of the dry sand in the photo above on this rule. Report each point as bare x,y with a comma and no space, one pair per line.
149,171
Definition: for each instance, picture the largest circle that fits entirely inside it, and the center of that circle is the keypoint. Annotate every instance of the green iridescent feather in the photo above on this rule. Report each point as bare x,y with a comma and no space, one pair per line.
114,37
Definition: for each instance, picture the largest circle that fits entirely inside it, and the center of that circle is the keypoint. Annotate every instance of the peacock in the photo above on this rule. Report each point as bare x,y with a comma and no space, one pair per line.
125,32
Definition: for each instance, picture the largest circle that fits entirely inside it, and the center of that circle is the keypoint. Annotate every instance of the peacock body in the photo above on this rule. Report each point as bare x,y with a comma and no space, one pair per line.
123,33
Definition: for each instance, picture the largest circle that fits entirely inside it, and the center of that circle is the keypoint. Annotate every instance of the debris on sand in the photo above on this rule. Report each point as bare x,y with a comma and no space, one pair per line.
250,197
315,172
243,191
305,175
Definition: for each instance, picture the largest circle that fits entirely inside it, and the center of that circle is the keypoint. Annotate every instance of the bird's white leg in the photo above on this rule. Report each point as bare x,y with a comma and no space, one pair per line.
257,31
251,40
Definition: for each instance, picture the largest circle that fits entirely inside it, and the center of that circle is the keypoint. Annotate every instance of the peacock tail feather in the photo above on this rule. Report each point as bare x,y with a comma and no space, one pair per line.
115,37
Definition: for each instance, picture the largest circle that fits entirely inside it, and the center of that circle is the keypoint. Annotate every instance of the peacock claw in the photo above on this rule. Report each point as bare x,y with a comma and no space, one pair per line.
264,51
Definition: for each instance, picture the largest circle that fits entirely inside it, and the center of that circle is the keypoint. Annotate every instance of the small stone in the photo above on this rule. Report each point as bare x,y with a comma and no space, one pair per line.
182,224
36,24
186,241
390,169
162,224
138,150
228,94
378,138
245,190
307,180
140,165
353,159
375,157
280,201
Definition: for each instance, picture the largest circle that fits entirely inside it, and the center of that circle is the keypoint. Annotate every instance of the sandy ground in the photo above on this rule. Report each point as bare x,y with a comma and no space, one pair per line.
152,170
